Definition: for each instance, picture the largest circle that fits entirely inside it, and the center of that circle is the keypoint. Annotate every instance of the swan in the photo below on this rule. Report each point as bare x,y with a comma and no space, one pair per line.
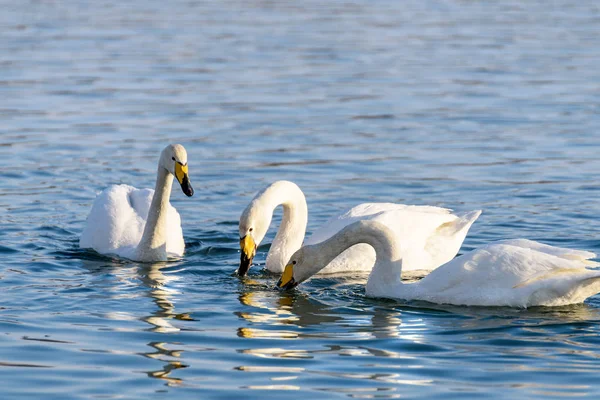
435,234
514,273
140,224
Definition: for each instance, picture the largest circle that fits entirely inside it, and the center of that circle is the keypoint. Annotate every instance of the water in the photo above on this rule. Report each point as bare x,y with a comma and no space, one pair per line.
491,105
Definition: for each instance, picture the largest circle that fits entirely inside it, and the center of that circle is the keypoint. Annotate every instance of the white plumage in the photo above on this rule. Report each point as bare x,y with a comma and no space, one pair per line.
431,235
116,223
141,224
513,273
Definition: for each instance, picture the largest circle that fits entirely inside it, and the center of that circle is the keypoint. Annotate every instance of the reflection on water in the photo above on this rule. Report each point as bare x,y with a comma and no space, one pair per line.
272,387
285,309
162,295
280,309
169,366
459,104
393,331
291,315
310,318
365,393
153,278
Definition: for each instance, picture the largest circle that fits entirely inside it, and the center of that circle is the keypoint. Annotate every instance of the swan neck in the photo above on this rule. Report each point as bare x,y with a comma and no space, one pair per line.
292,229
380,241
388,255
153,243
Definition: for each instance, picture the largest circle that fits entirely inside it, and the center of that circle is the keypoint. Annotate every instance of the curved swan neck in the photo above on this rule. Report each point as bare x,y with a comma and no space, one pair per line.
372,233
152,247
388,253
292,229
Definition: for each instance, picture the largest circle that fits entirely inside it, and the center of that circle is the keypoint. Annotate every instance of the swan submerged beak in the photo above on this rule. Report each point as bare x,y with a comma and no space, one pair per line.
247,253
287,281
181,173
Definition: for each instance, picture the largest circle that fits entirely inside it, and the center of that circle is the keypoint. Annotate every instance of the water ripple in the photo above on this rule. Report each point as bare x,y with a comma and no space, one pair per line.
457,104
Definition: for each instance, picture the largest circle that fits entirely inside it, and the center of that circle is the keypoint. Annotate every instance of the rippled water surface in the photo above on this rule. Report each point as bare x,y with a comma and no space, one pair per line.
462,104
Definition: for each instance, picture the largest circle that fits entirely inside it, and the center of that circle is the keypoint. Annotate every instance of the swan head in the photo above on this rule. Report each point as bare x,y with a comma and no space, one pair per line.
174,159
303,264
254,223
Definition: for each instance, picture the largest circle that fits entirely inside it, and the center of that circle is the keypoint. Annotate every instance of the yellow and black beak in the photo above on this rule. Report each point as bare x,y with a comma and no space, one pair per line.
287,281
247,253
181,173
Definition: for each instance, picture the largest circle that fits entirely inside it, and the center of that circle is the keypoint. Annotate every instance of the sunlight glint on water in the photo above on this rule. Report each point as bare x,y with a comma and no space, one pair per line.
459,104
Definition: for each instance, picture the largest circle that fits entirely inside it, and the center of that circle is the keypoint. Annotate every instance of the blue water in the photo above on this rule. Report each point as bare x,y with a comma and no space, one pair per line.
467,105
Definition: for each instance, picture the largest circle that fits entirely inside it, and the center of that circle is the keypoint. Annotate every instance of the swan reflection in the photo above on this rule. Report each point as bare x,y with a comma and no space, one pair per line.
291,315
169,366
279,311
130,281
162,295
152,277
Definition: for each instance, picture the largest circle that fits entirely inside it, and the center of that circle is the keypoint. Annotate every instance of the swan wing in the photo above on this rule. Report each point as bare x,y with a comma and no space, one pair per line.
116,222
444,241
503,274
114,225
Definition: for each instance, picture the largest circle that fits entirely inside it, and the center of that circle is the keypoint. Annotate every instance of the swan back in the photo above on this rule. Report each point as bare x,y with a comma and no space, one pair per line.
504,274
562,252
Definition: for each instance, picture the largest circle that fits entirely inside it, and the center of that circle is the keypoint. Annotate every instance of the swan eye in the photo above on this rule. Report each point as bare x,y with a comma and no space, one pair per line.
173,158
250,230
293,262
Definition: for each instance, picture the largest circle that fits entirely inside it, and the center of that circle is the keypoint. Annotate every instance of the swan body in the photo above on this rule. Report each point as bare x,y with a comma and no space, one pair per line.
513,273
435,234
140,224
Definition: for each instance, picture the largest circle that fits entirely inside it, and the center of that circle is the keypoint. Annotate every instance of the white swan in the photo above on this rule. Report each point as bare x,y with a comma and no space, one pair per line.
433,233
514,273
140,224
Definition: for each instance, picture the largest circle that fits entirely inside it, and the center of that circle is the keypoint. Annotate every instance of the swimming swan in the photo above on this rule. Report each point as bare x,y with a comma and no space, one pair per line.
140,224
434,234
514,273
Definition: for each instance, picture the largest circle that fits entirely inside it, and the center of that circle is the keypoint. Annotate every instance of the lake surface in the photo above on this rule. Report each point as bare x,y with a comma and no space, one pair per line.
461,104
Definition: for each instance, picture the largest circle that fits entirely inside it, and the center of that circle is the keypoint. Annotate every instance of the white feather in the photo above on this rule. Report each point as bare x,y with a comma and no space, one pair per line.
430,235
116,223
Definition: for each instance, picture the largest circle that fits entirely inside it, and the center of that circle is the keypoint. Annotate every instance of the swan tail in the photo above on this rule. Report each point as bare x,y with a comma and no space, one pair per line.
458,228
464,222
571,286
443,245
589,287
